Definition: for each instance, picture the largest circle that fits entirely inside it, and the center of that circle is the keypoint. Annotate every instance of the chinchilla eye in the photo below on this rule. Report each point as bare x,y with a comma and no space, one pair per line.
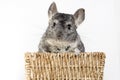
69,26
54,23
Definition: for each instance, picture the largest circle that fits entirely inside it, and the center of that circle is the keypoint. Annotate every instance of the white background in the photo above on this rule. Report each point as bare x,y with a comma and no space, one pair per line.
22,23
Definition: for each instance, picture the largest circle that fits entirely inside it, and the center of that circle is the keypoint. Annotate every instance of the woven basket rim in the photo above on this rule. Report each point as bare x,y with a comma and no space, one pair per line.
38,64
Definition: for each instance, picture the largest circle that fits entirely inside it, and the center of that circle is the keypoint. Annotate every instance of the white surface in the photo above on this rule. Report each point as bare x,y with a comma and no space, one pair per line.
22,23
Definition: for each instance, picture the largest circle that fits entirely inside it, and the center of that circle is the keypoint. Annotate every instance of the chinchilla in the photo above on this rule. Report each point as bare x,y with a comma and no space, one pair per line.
61,35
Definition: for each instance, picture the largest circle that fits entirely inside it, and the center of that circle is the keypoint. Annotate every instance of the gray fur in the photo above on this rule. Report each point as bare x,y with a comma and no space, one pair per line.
61,35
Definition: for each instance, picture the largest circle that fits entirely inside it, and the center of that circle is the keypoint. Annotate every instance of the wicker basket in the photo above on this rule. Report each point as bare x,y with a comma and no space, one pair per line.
64,66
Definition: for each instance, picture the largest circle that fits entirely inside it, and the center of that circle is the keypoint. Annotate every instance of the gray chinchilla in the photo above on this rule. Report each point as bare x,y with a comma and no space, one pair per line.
61,35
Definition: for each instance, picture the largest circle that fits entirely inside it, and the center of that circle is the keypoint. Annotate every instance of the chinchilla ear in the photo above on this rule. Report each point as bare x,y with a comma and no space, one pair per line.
79,16
52,10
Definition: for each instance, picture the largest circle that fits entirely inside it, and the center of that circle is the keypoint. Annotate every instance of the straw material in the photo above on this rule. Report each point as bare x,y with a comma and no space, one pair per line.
64,66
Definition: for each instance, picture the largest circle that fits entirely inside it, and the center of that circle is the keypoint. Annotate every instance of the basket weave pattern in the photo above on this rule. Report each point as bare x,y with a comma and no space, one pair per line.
64,66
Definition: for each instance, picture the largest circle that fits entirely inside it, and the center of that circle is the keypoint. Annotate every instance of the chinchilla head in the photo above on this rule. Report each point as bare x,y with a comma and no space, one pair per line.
63,26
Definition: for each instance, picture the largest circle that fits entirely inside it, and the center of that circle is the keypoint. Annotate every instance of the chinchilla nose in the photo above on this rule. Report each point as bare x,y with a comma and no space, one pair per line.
59,34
